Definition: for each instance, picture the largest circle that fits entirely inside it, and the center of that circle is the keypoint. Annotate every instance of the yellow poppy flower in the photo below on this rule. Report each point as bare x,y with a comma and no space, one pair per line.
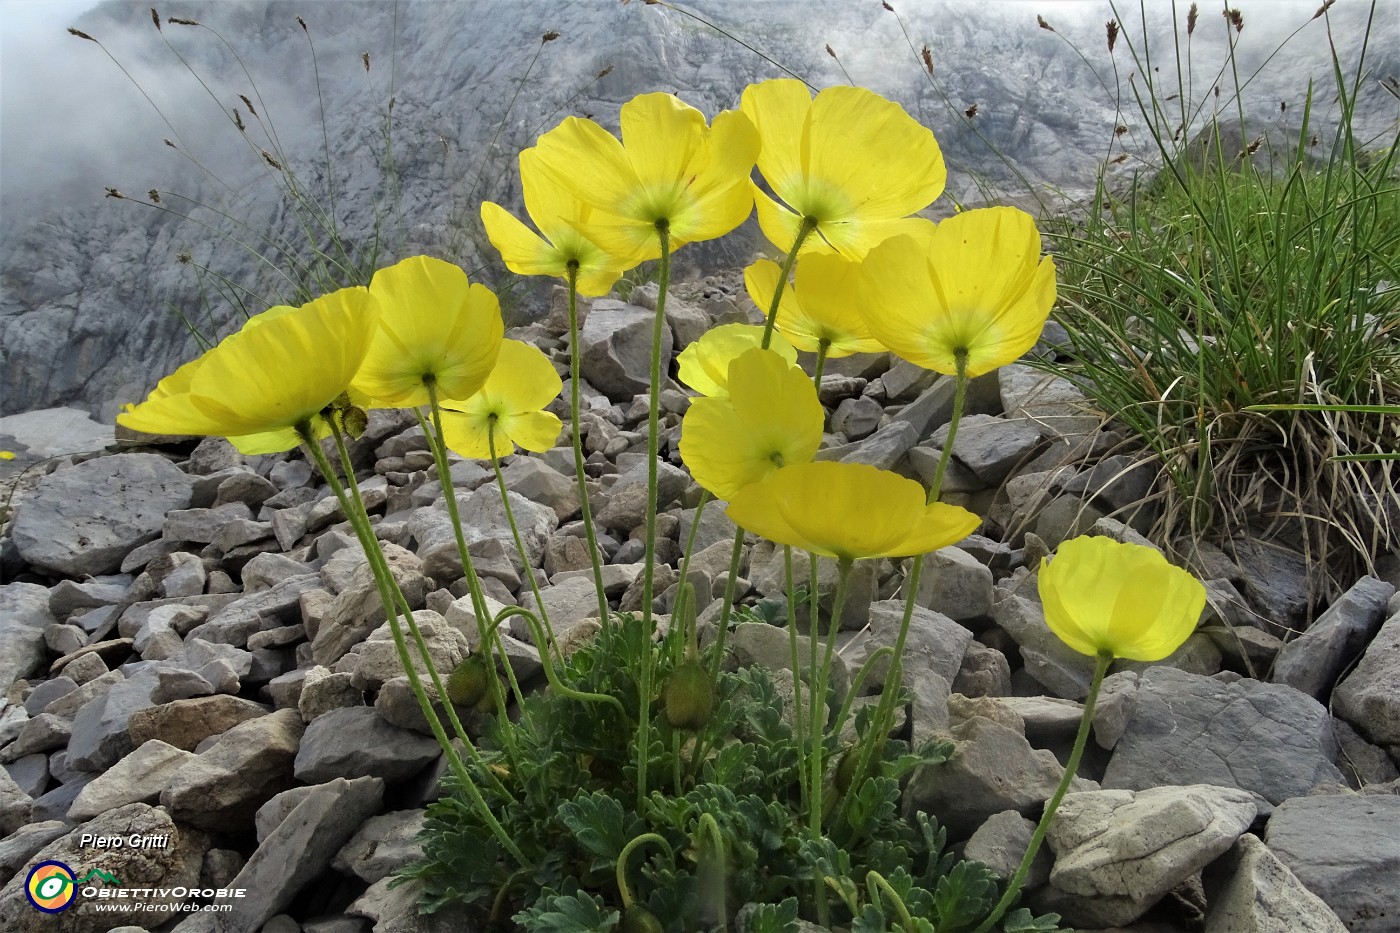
272,378
434,326
558,215
772,417
704,365
821,307
510,403
848,511
977,284
669,168
1100,595
852,161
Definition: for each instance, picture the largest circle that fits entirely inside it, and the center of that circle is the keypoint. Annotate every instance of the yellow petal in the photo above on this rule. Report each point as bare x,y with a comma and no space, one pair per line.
845,510
772,417
704,365
522,250
662,137
827,297
778,110
1100,595
465,431
587,160
169,410
532,430
524,379
281,373
779,224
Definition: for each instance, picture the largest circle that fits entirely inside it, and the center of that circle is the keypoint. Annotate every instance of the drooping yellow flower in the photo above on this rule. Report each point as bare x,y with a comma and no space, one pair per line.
270,380
704,365
668,169
771,417
854,162
978,284
434,326
509,404
1125,599
848,511
558,215
821,307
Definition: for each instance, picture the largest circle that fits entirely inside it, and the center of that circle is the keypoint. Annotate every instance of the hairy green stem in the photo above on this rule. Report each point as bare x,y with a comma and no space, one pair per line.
879,886
585,509
809,224
663,281
384,580
623,889
736,557
555,684
798,720
544,646
1013,888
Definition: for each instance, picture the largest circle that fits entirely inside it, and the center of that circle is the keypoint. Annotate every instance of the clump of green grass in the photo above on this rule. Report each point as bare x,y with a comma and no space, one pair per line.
1233,280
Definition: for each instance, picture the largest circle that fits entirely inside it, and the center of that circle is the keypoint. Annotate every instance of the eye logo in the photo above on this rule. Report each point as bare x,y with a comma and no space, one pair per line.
50,887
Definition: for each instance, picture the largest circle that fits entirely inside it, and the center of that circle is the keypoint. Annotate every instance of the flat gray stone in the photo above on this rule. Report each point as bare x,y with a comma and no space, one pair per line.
1262,896
956,584
1369,698
1314,660
226,783
138,778
991,447
382,846
1119,852
100,735
19,847
82,520
357,742
24,611
293,855
1268,739
615,348
1346,850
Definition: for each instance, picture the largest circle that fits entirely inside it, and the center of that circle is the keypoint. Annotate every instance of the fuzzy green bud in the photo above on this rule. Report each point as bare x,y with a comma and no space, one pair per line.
639,920
689,697
466,685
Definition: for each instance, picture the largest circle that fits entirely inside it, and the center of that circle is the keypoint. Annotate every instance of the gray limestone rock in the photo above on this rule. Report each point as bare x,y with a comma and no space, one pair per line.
1118,852
857,418
166,869
356,742
1260,895
356,610
1062,670
81,521
100,735
933,643
270,608
1346,850
1314,660
567,602
956,584
1001,842
382,846
1027,391
294,854
993,769
395,909
615,348
539,482
185,723
884,449
376,659
1268,739
15,804
24,611
227,782
1369,698
19,847
991,447
138,778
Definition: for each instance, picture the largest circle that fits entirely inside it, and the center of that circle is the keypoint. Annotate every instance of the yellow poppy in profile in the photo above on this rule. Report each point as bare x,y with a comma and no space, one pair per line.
435,327
269,381
772,417
1124,599
704,365
977,285
558,215
855,163
669,169
509,404
821,308
848,511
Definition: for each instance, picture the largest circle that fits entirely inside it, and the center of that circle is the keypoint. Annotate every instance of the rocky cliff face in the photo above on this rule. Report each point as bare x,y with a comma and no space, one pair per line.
98,304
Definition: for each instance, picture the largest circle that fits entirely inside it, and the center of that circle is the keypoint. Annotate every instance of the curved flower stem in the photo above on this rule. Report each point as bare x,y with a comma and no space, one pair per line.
623,890
663,282
799,729
585,509
384,581
489,645
857,683
375,556
878,886
809,224
1013,888
555,683
519,542
884,713
708,826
